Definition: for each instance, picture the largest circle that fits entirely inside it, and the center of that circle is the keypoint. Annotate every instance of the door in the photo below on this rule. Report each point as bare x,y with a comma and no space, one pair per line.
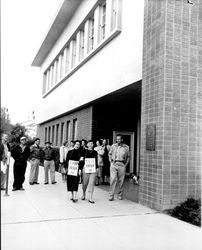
128,138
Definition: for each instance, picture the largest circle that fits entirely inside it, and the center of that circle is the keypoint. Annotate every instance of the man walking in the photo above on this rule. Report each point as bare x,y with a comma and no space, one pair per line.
20,154
49,162
36,156
119,157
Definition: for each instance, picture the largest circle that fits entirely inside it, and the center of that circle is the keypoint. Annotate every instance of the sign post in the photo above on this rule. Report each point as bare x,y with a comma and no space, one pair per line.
7,175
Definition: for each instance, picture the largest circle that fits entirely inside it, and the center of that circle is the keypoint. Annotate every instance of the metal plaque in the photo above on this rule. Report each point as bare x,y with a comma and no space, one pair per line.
150,137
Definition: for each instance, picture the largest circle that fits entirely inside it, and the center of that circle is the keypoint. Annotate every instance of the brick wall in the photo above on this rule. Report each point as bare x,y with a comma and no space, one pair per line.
84,126
172,100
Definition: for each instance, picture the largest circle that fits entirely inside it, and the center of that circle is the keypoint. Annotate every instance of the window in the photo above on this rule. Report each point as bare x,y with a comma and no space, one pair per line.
57,135
114,14
49,133
73,62
45,134
62,65
67,59
51,76
67,130
81,45
74,132
102,21
62,133
47,80
44,83
56,72
53,134
91,34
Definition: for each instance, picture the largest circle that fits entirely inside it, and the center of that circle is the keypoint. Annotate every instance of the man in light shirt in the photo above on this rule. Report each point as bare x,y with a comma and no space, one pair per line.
119,157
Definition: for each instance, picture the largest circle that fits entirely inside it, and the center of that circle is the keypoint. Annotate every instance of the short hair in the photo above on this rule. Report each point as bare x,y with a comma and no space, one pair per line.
72,141
120,136
37,139
84,140
64,143
90,141
77,141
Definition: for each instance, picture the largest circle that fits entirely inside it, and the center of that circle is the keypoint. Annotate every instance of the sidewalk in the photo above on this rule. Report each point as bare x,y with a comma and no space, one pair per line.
43,217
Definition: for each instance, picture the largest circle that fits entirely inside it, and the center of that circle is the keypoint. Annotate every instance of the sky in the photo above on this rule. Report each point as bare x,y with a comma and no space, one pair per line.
24,24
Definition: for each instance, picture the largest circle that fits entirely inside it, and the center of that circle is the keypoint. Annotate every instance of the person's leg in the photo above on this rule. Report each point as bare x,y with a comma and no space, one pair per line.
46,167
32,171
21,175
85,184
52,172
36,172
121,178
91,186
113,181
3,180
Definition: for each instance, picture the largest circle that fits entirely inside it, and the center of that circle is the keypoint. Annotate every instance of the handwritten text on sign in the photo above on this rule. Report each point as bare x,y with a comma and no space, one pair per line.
90,165
73,168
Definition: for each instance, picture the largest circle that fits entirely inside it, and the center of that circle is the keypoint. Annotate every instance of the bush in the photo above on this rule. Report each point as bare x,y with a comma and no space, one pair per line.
189,211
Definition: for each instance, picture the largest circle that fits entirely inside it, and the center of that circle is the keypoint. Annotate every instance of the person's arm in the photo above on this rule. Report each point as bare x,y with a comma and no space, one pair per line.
110,154
128,157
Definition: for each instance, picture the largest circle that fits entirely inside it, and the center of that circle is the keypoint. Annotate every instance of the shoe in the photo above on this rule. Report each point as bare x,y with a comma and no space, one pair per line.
71,199
91,201
97,184
22,189
14,189
111,198
120,197
74,200
83,198
45,183
31,183
54,182
36,182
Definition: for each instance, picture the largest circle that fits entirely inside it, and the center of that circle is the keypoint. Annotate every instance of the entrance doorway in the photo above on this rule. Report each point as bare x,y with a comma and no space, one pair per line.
129,139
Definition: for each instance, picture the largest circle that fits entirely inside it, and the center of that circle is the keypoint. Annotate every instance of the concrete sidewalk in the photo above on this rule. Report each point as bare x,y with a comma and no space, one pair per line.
43,217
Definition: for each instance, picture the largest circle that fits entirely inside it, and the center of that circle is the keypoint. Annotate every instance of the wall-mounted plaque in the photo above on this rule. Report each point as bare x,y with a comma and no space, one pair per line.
150,137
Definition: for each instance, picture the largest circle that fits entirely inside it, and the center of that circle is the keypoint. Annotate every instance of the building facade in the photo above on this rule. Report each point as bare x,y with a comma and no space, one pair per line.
112,66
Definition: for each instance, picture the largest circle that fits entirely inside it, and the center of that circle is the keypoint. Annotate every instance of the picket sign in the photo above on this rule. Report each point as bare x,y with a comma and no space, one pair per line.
90,166
73,168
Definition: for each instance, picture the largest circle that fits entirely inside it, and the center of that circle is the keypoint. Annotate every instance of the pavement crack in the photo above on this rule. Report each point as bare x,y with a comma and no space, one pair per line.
77,218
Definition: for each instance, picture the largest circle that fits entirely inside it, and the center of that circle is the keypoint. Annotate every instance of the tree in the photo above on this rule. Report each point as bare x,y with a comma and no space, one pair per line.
6,126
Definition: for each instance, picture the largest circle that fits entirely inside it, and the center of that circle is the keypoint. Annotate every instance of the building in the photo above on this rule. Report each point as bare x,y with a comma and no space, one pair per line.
30,125
129,67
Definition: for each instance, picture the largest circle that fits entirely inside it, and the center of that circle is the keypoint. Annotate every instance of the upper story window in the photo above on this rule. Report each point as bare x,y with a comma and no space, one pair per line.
81,45
91,34
67,59
114,14
102,25
73,54
102,21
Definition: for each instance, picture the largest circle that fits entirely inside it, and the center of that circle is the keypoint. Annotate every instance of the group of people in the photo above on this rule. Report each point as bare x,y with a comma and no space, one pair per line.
80,162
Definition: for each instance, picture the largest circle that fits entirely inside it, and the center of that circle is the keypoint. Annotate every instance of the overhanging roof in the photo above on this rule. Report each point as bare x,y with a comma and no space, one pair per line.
62,18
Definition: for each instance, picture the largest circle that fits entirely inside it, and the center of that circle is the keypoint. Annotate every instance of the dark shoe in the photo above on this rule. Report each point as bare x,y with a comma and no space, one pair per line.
74,200
45,183
14,189
91,201
97,184
31,183
83,198
22,189
54,182
111,198
71,199
36,182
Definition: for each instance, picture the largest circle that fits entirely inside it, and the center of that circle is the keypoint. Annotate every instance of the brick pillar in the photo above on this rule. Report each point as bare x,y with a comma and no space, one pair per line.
172,101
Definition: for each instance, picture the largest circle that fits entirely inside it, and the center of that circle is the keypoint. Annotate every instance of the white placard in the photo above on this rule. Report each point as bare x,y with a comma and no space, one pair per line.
90,166
73,168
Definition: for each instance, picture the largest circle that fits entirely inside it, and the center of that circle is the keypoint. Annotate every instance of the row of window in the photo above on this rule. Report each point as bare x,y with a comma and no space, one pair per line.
90,34
61,132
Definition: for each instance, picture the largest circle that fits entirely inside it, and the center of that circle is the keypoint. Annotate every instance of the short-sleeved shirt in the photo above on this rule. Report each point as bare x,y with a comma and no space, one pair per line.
119,152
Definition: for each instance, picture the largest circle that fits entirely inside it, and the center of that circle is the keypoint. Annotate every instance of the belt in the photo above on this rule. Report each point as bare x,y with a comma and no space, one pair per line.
118,161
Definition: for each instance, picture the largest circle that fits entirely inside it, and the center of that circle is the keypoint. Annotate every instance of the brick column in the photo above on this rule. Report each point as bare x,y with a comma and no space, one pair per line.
172,101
